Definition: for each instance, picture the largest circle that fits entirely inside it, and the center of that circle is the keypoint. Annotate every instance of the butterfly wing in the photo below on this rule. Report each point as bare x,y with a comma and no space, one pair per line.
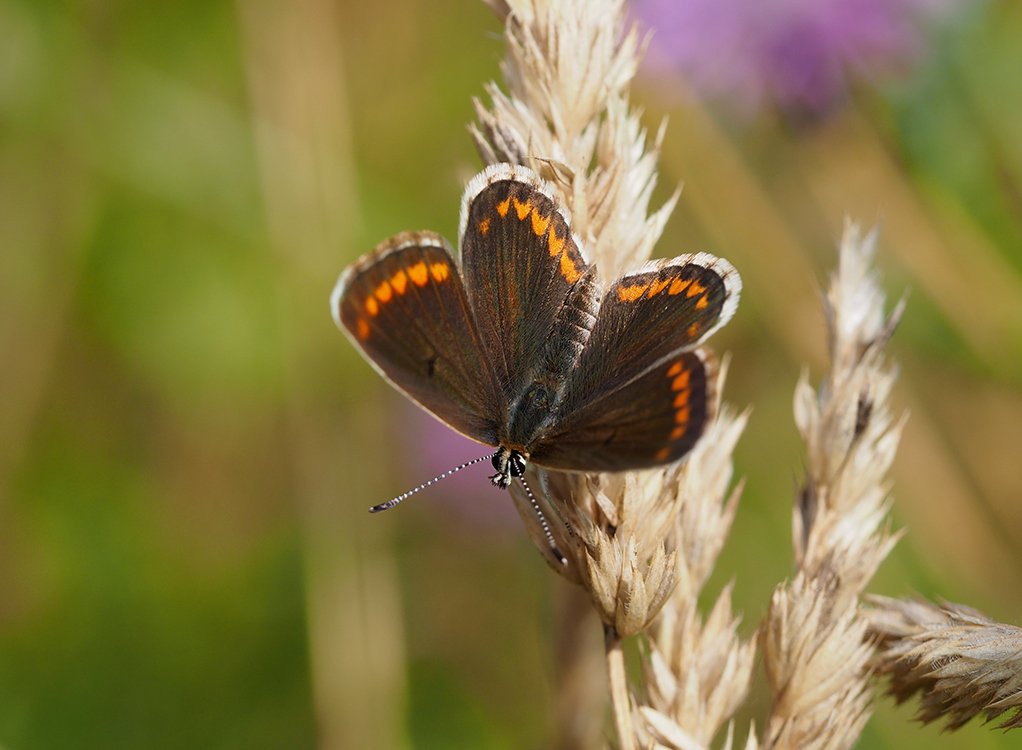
404,306
525,276
642,391
649,421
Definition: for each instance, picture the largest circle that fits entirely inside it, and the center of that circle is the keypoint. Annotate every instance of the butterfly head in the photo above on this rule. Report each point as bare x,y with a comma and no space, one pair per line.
508,463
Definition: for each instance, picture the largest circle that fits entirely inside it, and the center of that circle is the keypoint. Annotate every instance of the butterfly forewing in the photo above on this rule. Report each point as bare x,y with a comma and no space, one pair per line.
669,306
640,394
404,305
525,277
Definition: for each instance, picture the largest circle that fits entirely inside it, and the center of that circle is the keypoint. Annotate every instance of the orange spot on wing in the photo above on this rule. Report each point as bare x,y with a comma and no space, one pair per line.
362,329
555,243
681,416
681,399
568,269
695,288
504,206
384,292
656,287
678,432
484,226
372,307
631,293
419,273
702,303
440,271
399,281
539,223
675,369
662,454
680,382
678,286
693,330
522,209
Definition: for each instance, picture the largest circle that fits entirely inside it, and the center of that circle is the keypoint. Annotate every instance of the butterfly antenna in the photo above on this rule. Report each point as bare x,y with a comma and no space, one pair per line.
544,524
391,503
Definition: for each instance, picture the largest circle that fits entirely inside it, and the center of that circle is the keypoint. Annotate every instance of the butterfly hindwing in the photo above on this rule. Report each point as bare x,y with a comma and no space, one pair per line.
652,420
526,277
617,409
404,305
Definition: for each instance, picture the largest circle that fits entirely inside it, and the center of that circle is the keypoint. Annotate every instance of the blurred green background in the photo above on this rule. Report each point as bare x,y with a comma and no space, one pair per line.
187,445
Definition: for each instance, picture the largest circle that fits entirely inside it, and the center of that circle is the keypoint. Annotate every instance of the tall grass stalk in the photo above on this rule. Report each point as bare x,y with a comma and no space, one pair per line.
813,640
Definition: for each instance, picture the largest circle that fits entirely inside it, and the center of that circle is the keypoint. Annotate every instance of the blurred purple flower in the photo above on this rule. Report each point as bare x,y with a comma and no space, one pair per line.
795,53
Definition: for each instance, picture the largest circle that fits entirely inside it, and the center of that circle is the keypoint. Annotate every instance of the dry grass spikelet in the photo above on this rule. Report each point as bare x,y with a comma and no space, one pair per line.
812,638
693,689
847,428
960,662
566,115
815,652
615,532
696,673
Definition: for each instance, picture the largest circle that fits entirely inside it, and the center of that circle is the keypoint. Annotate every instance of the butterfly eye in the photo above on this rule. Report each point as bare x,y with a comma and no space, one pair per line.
516,464
497,460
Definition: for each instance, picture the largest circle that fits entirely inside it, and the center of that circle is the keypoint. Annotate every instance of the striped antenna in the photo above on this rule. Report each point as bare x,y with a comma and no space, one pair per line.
544,524
391,503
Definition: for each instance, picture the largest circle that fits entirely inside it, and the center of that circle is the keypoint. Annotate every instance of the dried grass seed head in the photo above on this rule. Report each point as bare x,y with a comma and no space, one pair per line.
960,662
815,659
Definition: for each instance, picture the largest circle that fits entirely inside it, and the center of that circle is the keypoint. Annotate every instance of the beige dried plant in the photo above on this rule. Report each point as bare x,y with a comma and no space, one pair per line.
696,673
813,640
566,115
961,663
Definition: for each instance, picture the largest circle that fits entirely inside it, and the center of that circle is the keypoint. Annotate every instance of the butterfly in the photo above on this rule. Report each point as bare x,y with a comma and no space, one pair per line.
518,344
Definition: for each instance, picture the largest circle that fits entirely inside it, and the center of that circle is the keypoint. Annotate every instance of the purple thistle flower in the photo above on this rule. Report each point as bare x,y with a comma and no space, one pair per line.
795,53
